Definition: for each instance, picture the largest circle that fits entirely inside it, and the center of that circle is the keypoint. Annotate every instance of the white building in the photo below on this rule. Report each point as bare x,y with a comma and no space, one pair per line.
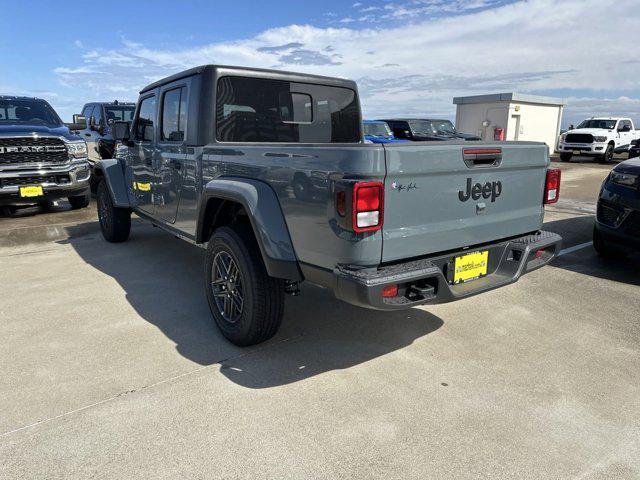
510,116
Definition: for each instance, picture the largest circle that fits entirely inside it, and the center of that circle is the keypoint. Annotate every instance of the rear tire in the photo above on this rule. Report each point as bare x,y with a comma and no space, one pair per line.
80,201
565,157
245,302
604,248
115,223
607,156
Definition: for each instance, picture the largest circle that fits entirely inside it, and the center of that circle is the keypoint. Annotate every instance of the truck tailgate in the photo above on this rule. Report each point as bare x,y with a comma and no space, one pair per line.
438,199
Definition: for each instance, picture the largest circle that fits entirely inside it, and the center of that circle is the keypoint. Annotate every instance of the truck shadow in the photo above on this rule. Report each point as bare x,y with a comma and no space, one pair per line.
162,280
578,230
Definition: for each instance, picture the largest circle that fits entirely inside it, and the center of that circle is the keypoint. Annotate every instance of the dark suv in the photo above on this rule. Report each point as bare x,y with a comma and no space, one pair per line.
413,129
40,158
422,129
617,229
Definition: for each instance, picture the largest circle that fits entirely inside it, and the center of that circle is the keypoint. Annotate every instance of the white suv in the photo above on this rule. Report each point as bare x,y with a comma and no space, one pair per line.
599,137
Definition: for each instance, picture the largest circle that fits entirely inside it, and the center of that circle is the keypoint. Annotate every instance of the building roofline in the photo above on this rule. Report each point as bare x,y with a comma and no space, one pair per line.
509,97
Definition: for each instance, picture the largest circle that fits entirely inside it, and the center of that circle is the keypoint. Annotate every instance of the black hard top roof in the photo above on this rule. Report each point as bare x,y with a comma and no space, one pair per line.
254,72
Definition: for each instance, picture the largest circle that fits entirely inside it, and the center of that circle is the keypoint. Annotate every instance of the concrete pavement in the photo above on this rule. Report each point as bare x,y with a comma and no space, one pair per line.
112,368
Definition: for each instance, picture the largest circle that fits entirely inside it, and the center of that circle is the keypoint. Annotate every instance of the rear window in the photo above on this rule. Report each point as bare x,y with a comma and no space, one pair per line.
257,110
119,113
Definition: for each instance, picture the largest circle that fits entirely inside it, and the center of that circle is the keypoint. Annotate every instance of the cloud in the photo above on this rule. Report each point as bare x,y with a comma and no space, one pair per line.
281,48
449,48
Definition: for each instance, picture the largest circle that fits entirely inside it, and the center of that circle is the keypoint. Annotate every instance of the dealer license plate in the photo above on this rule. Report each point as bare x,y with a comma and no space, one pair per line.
470,266
36,191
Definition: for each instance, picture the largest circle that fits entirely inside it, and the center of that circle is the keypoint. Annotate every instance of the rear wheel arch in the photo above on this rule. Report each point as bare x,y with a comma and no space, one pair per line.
221,212
237,201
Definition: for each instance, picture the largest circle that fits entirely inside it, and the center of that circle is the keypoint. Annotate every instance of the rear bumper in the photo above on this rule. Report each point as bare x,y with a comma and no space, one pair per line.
425,281
56,182
622,239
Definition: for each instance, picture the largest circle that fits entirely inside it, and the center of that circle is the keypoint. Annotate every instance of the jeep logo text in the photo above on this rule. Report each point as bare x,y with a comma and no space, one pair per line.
490,190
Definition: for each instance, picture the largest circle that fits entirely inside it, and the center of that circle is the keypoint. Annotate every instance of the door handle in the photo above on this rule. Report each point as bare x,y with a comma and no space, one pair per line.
87,134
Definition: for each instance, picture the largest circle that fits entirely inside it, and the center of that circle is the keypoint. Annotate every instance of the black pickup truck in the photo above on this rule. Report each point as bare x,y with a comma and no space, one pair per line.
40,158
214,155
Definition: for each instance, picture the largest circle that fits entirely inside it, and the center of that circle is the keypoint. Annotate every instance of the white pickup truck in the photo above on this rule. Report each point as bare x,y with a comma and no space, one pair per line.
599,137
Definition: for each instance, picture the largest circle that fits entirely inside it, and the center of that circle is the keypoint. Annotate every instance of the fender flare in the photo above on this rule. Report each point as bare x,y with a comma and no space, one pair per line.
113,173
266,217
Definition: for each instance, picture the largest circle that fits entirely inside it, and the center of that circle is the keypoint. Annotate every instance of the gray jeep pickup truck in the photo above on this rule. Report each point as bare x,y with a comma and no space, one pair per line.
213,156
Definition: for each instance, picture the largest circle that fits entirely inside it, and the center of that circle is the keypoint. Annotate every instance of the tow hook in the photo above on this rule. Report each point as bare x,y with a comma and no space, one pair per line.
420,292
291,288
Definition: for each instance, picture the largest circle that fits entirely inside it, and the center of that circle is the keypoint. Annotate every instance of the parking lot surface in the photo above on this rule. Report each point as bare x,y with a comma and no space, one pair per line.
112,367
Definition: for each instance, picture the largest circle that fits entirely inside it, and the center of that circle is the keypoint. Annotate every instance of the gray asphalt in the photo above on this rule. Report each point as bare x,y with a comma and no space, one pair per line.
111,367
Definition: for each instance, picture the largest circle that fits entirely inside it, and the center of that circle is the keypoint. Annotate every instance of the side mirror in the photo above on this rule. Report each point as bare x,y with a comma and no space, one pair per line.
121,131
79,123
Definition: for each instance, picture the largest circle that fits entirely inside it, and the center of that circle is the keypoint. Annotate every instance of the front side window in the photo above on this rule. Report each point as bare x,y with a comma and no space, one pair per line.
86,112
146,119
97,115
257,110
31,111
174,114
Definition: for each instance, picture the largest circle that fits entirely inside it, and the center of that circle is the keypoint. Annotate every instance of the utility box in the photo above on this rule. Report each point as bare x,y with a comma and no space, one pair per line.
510,116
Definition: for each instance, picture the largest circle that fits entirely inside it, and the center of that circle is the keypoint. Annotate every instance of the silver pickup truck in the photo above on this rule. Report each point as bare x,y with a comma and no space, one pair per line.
269,172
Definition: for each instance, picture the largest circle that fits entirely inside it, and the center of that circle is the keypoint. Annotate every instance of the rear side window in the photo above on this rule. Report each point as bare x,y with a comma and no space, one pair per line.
146,118
174,114
257,110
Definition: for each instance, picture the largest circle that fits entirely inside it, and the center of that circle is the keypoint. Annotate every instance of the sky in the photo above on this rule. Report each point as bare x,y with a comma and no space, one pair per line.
409,58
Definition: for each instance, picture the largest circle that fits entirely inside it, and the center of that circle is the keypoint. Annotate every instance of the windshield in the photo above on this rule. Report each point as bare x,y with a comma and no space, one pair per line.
595,123
28,111
423,127
119,113
377,129
444,126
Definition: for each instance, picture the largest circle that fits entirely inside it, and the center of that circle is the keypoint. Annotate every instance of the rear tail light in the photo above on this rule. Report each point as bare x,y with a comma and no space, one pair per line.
552,186
390,291
368,206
